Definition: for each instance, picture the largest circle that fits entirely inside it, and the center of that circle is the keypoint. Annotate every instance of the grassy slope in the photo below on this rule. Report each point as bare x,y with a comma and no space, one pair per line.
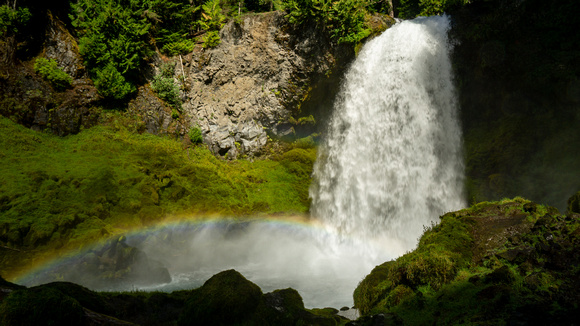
63,192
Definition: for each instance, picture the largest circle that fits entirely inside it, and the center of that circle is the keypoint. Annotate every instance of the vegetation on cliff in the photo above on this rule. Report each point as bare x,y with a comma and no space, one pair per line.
492,263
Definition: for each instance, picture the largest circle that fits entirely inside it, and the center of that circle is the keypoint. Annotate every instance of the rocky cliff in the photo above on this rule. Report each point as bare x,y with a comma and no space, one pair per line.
254,82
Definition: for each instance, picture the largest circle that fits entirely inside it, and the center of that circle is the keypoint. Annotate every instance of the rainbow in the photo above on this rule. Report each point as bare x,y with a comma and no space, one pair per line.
291,224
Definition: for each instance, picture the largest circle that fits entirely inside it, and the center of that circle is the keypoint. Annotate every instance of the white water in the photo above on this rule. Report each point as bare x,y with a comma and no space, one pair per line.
391,161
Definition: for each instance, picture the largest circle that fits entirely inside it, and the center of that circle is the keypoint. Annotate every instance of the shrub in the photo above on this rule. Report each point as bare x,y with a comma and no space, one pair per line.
49,70
167,90
211,39
195,135
344,19
414,8
212,20
13,19
111,83
176,48
114,42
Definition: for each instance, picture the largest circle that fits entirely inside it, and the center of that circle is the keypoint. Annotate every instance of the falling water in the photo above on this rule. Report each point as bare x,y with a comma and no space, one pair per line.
391,162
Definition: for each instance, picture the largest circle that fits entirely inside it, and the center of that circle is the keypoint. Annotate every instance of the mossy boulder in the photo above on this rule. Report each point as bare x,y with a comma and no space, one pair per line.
40,306
491,263
574,204
226,298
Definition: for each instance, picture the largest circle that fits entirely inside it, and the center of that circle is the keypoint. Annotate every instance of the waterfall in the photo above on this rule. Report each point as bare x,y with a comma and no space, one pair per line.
391,160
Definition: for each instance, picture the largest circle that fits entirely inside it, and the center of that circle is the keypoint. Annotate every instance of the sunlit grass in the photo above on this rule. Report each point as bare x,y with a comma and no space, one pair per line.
63,192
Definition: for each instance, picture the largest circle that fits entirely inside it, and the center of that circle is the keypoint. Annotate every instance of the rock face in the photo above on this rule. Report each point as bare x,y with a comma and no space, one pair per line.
61,46
33,102
254,81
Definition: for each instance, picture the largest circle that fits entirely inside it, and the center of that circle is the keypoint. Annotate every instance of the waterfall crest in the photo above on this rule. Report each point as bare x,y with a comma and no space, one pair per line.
391,160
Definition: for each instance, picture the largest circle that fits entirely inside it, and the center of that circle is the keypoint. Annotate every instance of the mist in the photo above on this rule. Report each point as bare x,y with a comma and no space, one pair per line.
323,266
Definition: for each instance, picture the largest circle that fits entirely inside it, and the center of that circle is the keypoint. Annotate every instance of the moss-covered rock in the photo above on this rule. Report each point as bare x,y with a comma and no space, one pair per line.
511,260
40,306
226,298
574,203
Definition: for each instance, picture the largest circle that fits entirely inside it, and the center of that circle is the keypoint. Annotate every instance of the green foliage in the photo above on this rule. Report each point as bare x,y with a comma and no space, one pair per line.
164,85
413,8
212,17
195,135
480,265
12,20
211,39
49,70
114,40
212,21
179,47
111,83
173,22
344,19
63,192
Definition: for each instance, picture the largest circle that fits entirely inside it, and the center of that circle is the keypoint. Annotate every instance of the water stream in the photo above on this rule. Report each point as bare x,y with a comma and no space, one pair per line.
390,164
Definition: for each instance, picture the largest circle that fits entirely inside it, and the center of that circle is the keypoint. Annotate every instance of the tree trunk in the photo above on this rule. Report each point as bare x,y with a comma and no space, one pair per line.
9,49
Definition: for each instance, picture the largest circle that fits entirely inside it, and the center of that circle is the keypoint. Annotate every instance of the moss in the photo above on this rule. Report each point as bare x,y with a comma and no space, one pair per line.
109,178
574,203
492,262
226,298
40,306
85,297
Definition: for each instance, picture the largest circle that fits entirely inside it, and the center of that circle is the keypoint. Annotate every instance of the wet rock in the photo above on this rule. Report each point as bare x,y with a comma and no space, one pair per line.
226,298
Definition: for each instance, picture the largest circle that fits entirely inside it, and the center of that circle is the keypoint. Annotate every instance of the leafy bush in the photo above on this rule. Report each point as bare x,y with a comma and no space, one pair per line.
111,83
167,90
195,135
212,20
172,22
344,19
211,39
165,87
11,20
49,70
114,40
414,8
176,48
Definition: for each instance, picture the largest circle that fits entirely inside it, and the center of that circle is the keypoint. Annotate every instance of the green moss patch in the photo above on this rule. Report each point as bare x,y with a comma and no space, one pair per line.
495,261
62,192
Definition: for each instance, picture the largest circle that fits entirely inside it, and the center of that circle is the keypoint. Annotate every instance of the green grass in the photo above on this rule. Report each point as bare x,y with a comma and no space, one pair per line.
64,192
